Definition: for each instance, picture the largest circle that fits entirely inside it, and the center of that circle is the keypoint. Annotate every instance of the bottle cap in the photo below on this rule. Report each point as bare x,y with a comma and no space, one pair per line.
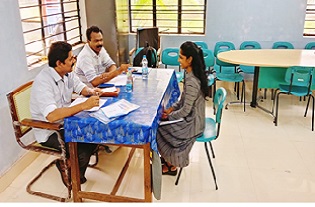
144,56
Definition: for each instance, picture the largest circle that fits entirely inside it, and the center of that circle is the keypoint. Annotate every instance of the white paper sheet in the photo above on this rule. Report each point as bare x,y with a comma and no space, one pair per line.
110,89
170,122
119,80
81,99
119,108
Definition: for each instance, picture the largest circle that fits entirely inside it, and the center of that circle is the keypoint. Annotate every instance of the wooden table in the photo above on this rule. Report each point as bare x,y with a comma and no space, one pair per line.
281,58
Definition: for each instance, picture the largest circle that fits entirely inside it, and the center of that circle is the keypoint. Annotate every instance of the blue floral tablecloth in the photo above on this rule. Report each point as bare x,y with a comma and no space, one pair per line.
138,127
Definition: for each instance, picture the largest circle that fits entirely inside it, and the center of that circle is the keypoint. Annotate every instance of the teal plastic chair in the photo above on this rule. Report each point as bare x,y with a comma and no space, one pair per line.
211,131
202,44
310,46
245,46
231,75
298,83
209,62
282,45
170,57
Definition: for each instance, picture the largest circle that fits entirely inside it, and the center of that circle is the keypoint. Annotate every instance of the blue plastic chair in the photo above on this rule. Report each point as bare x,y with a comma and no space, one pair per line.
282,45
298,83
212,130
310,46
245,46
202,44
170,57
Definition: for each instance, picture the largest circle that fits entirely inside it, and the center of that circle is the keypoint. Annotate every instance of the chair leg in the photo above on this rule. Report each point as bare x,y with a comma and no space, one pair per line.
178,176
45,195
313,114
213,173
277,107
213,156
308,103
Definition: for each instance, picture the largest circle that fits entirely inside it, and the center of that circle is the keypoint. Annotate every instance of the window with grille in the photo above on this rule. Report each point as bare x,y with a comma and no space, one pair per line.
309,25
47,21
170,16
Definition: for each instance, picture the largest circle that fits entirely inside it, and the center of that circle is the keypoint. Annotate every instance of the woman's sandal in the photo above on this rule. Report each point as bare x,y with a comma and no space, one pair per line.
169,171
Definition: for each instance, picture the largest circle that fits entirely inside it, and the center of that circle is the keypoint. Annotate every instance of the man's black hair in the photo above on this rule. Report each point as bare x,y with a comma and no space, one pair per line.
92,29
58,51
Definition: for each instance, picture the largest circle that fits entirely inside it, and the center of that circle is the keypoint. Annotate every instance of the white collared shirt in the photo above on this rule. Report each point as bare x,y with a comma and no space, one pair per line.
49,92
90,65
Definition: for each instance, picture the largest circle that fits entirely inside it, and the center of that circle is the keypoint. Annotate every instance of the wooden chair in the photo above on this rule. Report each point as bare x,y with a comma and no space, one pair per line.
19,103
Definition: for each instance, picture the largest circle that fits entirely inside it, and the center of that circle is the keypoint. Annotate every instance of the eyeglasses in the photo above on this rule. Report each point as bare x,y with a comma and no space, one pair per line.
74,57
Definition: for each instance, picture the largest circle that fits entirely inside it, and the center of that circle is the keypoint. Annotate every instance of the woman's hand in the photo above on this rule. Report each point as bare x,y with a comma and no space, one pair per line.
168,111
164,117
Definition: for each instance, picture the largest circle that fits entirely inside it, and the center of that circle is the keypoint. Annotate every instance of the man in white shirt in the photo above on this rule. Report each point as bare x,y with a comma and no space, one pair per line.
94,65
51,98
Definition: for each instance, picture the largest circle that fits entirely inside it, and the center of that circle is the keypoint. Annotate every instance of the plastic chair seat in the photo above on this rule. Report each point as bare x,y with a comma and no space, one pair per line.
230,77
247,69
295,90
210,132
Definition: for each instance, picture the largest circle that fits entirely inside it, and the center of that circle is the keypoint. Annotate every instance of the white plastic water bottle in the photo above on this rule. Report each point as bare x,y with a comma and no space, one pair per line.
144,67
129,83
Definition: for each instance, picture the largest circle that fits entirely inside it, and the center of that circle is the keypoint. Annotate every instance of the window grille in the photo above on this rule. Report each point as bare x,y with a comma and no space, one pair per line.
47,21
170,16
309,25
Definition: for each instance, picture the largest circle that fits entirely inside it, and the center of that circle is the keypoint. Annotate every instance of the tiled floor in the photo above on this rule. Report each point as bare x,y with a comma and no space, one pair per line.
255,162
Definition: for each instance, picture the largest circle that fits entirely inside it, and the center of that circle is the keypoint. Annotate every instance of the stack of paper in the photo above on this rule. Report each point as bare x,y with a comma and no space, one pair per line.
119,108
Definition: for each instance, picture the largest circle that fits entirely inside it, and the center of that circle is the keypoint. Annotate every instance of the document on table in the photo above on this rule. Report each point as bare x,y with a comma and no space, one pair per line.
82,99
110,89
119,80
170,122
119,108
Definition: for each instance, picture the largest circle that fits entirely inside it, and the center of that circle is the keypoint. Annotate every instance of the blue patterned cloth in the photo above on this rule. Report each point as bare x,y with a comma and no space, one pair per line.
139,126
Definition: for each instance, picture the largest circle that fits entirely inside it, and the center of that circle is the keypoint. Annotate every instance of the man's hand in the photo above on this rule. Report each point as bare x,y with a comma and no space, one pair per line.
91,102
123,68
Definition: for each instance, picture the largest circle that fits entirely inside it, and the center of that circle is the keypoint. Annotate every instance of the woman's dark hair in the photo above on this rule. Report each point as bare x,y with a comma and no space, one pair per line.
58,51
92,29
190,49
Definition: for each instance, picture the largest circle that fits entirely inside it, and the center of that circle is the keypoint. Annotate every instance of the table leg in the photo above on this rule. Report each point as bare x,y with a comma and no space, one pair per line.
147,173
255,87
75,174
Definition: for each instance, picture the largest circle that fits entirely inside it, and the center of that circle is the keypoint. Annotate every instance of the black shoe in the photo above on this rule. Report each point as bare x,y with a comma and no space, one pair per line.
61,168
82,180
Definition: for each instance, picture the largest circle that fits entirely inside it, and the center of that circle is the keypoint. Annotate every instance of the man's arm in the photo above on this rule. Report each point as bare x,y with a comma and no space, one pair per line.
107,76
64,112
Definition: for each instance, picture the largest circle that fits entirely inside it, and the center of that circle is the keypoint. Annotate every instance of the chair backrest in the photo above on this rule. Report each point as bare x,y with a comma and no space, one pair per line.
209,58
282,45
219,99
170,56
310,46
299,76
202,44
148,35
222,63
223,45
250,45
19,104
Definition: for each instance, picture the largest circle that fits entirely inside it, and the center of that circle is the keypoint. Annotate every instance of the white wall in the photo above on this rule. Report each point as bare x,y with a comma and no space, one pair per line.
233,20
